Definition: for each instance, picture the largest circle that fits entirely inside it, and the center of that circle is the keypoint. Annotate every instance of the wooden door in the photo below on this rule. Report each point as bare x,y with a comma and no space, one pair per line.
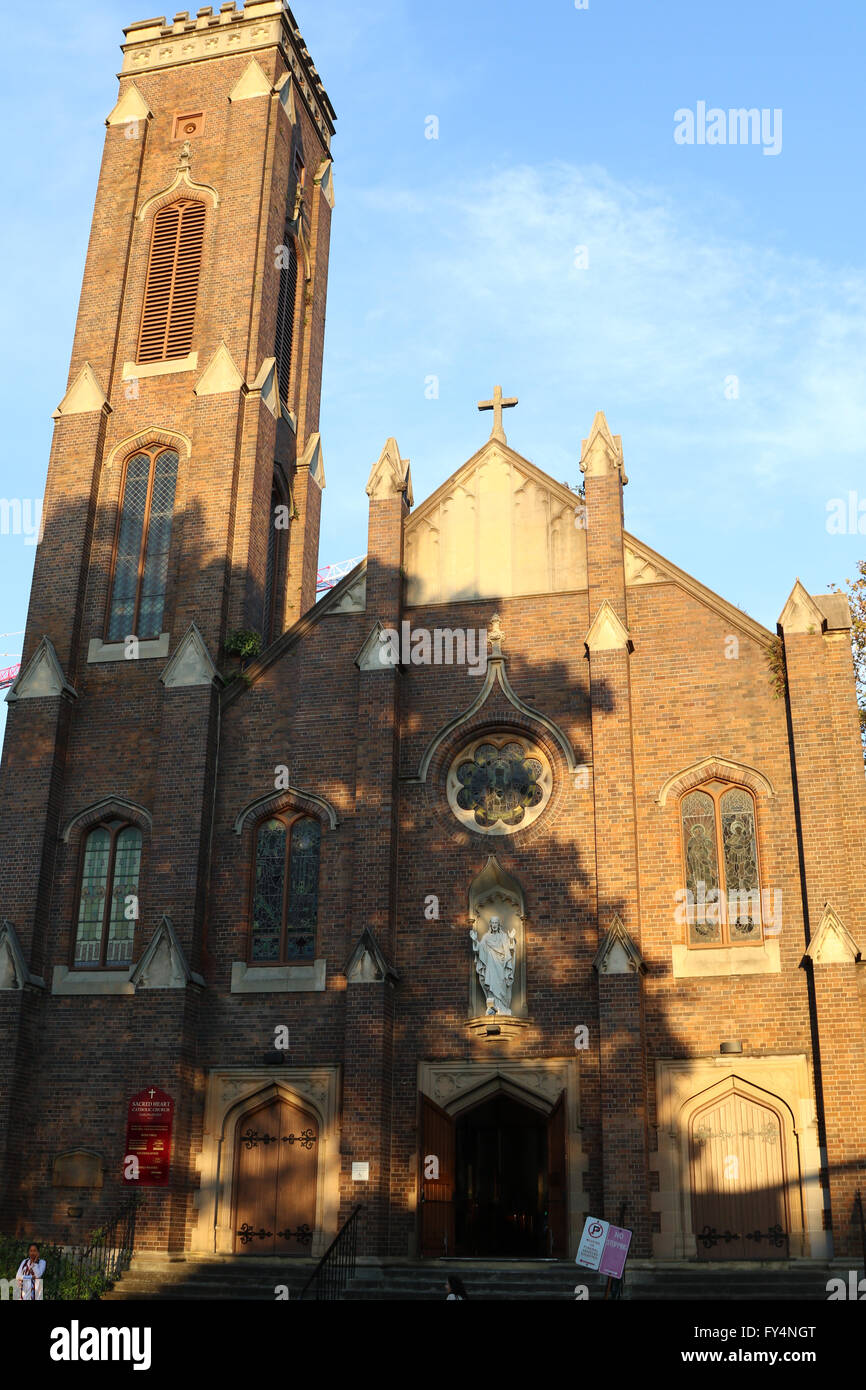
557,1180
275,1180
436,1181
739,1199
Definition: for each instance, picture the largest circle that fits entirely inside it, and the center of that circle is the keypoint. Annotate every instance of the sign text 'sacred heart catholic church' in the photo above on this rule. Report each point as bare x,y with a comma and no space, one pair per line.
148,1137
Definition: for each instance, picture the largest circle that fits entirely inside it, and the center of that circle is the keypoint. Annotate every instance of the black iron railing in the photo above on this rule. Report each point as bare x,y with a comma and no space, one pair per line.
75,1272
110,1251
337,1265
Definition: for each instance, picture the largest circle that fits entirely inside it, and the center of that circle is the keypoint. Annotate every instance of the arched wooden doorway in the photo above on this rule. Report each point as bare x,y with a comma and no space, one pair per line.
738,1180
493,1178
275,1179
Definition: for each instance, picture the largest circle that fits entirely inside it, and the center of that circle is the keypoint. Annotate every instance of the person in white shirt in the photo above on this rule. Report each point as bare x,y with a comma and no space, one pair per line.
29,1276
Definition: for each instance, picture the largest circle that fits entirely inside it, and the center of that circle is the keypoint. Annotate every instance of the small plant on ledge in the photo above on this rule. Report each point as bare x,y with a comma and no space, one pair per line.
243,645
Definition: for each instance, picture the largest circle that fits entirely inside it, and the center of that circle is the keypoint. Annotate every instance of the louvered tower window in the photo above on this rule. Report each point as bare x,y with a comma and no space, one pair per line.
171,290
142,547
286,322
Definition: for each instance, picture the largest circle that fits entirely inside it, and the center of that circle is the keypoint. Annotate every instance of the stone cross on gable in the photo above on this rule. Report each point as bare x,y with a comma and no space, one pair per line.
497,405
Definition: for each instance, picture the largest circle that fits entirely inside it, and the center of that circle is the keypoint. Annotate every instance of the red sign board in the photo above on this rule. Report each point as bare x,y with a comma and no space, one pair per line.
148,1137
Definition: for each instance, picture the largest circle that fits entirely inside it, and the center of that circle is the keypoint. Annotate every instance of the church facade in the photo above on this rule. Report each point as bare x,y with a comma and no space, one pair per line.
486,894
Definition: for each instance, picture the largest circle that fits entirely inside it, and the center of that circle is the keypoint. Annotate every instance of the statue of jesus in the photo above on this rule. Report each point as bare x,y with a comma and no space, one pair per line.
494,962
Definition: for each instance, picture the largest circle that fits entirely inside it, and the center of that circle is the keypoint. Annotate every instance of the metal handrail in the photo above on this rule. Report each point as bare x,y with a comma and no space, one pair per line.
337,1265
110,1250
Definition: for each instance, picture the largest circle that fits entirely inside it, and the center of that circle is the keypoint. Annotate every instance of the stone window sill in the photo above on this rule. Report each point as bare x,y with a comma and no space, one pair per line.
116,651
68,981
136,371
726,960
278,979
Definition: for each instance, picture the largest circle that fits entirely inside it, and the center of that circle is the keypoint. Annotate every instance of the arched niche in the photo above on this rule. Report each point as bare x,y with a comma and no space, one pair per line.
495,893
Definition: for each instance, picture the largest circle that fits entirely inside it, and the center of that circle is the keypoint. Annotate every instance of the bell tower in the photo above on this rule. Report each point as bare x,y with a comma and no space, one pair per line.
181,506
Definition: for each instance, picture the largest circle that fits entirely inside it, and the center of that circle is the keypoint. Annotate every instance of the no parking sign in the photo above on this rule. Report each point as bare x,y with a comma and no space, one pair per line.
603,1247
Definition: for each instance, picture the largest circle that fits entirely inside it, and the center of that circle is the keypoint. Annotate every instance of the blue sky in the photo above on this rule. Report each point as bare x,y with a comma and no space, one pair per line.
456,257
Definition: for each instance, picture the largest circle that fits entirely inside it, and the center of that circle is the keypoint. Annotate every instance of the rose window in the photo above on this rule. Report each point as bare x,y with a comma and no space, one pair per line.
498,787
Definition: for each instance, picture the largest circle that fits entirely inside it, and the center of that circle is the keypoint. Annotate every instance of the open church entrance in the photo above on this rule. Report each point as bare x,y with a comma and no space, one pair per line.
494,1180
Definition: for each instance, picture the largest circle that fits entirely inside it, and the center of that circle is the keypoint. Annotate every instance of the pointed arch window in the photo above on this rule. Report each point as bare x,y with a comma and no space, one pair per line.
721,868
286,309
108,896
273,605
171,288
286,890
143,541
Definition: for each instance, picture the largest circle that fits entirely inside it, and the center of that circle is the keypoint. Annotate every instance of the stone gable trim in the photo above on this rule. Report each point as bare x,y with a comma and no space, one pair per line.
130,106
801,613
42,678
172,439
144,975
601,453
673,575
84,395
14,970
618,954
191,665
523,465
495,673
188,187
390,474
287,799
107,806
368,963
607,633
832,944
715,766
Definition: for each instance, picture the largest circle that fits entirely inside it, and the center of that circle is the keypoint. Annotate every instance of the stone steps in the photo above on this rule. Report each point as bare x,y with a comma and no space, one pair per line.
153,1278
556,1282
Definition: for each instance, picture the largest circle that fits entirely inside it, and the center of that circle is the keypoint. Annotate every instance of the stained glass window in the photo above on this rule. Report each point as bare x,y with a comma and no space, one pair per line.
304,899
499,784
741,864
724,900
107,908
286,897
143,543
270,886
702,870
